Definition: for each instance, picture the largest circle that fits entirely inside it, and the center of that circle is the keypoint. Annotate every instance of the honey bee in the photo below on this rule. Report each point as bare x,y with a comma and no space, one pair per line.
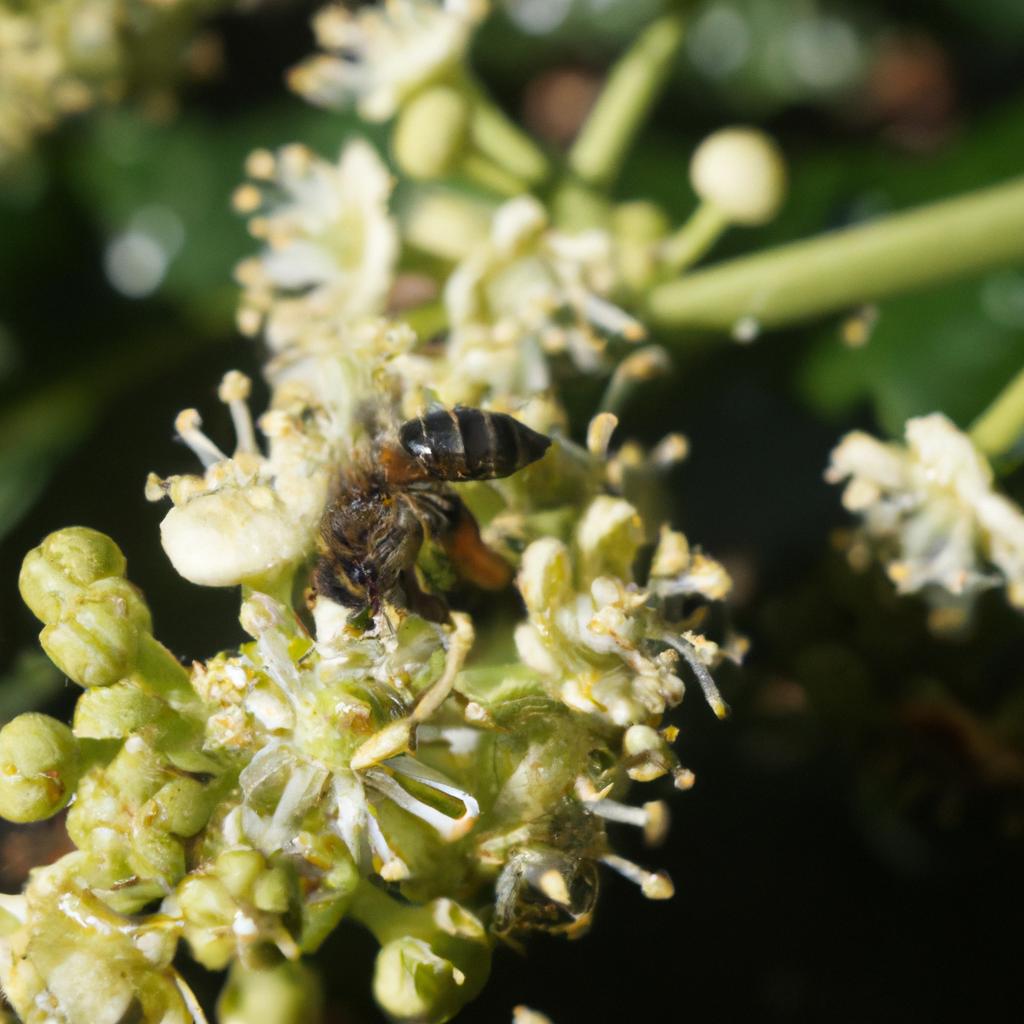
395,495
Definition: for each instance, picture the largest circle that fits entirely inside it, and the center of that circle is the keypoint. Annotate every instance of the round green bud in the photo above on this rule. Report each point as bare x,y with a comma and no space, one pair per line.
742,173
412,983
38,767
116,711
639,221
273,890
65,563
181,806
205,902
238,870
287,993
156,854
430,134
95,642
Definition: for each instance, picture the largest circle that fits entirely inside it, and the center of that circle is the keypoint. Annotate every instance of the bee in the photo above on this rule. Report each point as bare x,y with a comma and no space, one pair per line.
395,495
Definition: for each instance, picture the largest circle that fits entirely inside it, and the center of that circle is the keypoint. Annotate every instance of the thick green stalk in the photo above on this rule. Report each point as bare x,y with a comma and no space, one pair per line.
846,268
625,101
1001,425
502,141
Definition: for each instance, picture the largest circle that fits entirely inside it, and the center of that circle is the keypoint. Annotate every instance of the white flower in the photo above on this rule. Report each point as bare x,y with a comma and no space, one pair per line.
527,293
597,638
931,505
330,244
252,515
315,710
380,57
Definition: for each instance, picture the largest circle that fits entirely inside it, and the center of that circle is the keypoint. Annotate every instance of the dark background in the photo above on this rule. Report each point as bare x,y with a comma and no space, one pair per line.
852,848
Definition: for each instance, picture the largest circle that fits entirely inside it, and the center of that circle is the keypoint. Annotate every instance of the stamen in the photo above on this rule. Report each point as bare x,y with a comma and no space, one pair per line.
707,684
234,391
612,320
655,885
653,817
188,997
458,649
393,868
187,424
672,448
449,829
599,433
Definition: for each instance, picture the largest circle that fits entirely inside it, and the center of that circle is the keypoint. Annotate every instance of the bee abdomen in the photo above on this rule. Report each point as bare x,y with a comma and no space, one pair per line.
471,444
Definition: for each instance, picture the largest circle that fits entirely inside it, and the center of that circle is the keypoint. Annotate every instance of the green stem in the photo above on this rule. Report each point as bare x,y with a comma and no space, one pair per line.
694,239
846,268
1000,426
492,176
620,111
503,142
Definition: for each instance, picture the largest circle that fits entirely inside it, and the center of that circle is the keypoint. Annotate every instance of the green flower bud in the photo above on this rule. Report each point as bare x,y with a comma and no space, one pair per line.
411,982
238,871
156,854
181,807
205,902
639,221
62,565
38,767
116,711
273,890
740,172
96,640
430,134
287,993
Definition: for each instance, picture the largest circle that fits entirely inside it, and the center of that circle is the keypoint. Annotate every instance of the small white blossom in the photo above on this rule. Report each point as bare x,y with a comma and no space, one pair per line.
931,506
598,638
250,515
314,710
526,294
378,57
330,244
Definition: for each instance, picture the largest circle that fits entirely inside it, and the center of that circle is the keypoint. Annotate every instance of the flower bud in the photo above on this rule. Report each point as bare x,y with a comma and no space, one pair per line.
412,983
238,871
430,134
742,173
116,711
62,565
38,767
273,890
181,806
95,641
287,993
156,854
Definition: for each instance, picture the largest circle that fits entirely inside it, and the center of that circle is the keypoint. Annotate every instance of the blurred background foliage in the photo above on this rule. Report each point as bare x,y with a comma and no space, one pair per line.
852,849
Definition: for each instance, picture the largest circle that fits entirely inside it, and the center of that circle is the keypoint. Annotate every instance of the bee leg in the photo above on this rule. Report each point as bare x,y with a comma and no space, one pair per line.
428,606
472,558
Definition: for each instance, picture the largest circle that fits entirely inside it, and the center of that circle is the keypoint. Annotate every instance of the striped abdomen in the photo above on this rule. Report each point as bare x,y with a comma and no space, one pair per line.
470,444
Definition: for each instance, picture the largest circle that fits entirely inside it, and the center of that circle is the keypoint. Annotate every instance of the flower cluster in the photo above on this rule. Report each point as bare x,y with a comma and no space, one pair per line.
372,763
62,57
930,508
